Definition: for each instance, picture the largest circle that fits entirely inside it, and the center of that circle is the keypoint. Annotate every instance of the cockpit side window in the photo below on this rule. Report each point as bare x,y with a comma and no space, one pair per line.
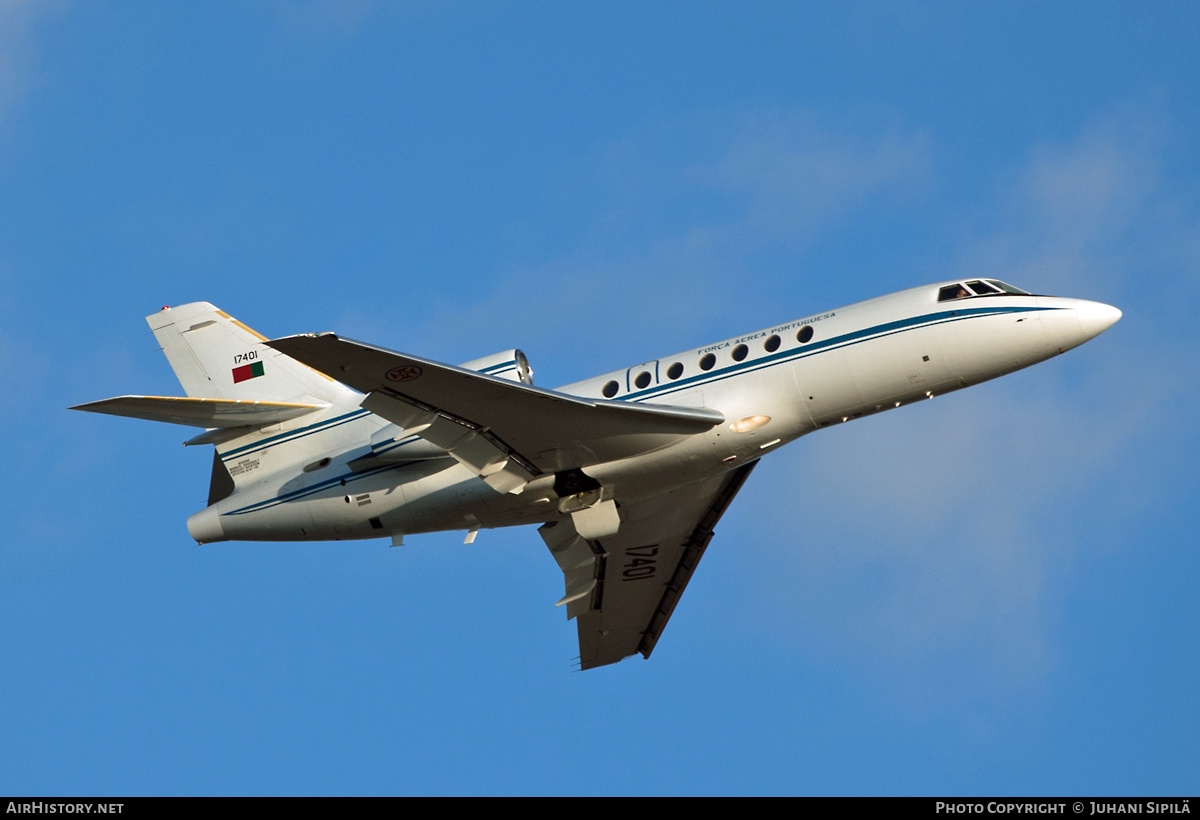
951,292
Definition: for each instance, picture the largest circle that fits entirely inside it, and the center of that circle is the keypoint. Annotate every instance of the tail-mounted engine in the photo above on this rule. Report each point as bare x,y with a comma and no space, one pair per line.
511,365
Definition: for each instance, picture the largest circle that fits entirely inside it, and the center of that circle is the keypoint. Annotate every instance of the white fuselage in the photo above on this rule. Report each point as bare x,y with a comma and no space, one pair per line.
772,386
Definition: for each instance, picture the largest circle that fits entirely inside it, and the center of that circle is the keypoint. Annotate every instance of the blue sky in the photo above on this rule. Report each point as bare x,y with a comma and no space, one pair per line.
991,592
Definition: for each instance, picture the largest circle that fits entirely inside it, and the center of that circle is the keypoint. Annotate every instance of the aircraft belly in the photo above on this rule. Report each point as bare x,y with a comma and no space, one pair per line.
455,499
759,407
896,365
826,386
283,522
348,514
696,459
897,369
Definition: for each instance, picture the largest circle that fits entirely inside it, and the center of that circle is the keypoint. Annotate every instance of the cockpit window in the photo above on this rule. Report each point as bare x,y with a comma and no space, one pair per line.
977,287
951,292
1008,288
982,288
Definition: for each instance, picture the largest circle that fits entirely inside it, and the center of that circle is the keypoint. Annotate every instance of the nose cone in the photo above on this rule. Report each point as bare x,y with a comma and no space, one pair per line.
1095,317
1069,323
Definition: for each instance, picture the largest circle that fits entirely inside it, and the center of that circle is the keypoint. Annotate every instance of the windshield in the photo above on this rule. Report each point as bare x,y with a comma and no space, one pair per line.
977,287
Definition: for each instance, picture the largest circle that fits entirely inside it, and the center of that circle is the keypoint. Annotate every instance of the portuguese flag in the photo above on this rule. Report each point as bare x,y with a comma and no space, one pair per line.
247,372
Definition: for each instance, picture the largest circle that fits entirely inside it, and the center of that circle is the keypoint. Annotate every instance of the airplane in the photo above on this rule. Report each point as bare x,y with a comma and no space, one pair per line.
318,437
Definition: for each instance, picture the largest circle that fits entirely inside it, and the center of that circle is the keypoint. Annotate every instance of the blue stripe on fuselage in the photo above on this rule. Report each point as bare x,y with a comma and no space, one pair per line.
291,435
304,492
832,343
804,351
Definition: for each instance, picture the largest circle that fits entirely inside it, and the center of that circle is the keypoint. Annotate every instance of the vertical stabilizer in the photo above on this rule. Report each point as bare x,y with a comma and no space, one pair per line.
216,356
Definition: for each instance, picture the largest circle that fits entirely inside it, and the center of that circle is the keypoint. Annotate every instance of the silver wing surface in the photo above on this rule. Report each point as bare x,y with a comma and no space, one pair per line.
622,589
507,431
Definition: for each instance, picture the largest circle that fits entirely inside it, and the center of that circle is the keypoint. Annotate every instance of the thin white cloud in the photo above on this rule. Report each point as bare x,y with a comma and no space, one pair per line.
952,527
799,176
938,535
1093,214
18,48
744,183
324,18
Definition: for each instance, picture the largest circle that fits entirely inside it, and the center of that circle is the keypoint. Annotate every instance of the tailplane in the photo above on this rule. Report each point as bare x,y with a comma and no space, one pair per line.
262,409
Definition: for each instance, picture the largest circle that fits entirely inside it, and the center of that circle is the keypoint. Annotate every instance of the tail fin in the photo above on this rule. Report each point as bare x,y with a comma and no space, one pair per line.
216,356
265,411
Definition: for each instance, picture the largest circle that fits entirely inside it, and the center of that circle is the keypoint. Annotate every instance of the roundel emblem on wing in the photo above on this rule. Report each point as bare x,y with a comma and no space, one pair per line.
404,373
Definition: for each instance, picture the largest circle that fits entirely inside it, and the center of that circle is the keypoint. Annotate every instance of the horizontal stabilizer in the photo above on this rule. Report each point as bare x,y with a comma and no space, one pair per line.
201,412
507,431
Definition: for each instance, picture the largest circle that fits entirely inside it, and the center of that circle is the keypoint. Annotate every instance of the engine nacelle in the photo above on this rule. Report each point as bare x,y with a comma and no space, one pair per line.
511,365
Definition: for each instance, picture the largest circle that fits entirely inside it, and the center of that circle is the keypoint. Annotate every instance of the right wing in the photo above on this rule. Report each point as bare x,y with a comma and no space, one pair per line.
507,431
623,588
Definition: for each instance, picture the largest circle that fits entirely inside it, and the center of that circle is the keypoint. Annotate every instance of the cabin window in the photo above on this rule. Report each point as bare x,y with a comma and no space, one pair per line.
642,380
805,334
707,362
610,389
771,344
740,352
675,371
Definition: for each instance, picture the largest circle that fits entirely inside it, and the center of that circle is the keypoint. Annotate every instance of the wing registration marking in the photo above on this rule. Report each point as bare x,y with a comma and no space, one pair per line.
640,563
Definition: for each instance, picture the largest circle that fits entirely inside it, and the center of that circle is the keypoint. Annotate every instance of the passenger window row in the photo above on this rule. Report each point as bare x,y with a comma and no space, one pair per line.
707,362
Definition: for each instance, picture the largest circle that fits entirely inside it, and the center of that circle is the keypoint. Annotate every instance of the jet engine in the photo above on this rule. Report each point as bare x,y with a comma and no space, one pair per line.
511,365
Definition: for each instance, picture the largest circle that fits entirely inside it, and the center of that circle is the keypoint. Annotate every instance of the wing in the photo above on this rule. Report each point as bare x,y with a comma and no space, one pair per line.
623,588
507,431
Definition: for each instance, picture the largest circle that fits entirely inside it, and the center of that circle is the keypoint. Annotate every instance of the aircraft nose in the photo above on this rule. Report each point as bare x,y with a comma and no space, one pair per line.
1095,317
1069,323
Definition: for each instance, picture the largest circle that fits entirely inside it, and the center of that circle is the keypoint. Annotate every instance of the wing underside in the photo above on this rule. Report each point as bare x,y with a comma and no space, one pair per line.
622,589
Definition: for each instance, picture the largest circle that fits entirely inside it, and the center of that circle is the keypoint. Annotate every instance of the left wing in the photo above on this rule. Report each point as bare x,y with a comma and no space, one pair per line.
623,588
506,431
